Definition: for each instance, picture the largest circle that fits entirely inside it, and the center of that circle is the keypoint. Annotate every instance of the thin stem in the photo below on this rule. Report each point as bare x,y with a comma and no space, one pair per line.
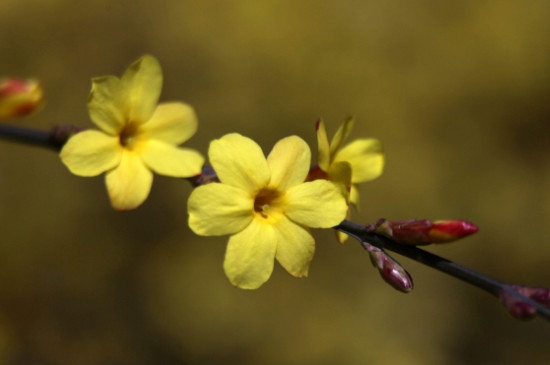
56,138
451,268
52,139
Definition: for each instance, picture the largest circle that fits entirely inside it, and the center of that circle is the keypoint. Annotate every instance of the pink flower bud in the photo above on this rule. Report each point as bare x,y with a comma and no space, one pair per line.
448,231
521,309
390,270
423,232
19,98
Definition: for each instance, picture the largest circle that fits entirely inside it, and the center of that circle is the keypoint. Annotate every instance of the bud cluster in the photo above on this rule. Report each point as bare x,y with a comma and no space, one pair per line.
521,309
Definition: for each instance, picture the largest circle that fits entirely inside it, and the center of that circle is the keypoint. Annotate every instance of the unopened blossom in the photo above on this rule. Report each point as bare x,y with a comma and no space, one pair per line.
363,157
266,207
424,231
19,98
136,137
390,270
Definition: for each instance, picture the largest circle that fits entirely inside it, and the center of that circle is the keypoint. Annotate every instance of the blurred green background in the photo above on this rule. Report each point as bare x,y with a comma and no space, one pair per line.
457,91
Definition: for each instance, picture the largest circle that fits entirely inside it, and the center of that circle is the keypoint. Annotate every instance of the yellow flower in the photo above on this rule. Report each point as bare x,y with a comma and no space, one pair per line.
266,207
364,157
137,136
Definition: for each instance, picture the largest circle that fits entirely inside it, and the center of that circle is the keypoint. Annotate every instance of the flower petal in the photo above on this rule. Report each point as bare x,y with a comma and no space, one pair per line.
323,149
366,158
106,104
341,134
239,162
142,84
289,162
340,174
169,160
174,123
317,204
218,209
295,247
89,153
250,254
354,195
129,184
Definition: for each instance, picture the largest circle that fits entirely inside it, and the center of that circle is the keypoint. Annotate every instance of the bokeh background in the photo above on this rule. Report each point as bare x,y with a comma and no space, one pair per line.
456,90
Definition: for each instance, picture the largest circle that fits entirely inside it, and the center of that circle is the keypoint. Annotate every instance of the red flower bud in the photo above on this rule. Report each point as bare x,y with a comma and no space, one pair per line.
19,98
448,231
521,309
390,270
423,232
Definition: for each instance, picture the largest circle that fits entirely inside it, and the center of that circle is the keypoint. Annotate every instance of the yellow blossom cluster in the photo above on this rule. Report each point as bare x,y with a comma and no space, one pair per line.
266,205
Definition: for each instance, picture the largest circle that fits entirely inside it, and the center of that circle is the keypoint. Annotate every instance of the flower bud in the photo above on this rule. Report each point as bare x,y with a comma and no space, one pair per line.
19,98
423,232
448,231
521,309
390,270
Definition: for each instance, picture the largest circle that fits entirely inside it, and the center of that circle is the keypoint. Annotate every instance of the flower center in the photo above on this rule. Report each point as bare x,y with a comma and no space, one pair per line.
127,136
268,203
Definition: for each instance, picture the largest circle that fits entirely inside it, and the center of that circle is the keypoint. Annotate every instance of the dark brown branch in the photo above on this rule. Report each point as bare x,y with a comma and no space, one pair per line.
451,268
53,139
